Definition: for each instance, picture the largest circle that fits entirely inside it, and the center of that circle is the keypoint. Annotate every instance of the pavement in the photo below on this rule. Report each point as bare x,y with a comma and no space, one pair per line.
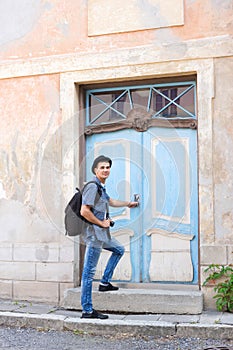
208,324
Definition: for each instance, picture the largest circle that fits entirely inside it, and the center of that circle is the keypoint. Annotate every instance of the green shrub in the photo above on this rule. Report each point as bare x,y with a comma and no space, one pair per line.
222,277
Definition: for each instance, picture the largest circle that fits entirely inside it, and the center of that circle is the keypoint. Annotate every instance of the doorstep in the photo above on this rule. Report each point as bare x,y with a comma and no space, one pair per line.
137,298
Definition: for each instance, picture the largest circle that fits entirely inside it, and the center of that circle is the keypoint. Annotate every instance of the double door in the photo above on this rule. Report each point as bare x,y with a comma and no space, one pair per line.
160,235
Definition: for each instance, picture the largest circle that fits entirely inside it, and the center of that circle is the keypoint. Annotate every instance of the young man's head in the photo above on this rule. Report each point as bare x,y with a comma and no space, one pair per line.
101,167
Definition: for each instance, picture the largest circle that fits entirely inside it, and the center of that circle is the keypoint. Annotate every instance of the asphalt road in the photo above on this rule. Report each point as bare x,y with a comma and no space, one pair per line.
22,338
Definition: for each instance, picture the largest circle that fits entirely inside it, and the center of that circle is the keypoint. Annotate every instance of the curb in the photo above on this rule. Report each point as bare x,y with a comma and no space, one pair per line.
111,327
45,322
201,330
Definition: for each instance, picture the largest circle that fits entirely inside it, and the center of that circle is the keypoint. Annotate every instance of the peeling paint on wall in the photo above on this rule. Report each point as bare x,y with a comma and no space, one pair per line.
42,28
17,18
42,254
2,192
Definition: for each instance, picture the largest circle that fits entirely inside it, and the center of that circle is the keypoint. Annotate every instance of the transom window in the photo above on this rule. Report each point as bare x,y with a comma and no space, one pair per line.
162,101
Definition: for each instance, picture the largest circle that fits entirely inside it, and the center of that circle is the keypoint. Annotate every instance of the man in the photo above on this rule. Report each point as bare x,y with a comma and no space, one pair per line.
98,235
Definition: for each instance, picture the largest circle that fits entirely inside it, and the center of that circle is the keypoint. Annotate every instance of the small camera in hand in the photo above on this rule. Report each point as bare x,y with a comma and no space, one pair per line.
112,223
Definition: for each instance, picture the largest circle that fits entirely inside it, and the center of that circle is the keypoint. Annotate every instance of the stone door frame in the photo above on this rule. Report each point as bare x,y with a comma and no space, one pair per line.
71,118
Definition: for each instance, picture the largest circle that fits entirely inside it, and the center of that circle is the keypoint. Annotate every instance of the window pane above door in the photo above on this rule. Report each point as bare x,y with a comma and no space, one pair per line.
165,101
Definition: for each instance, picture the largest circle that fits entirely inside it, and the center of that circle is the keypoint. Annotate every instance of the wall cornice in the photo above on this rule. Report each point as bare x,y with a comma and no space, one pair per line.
213,47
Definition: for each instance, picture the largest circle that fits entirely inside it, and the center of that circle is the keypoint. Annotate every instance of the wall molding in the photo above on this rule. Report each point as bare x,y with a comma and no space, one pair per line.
197,49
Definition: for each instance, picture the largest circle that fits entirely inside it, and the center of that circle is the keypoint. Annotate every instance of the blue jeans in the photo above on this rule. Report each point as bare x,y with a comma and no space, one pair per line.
92,254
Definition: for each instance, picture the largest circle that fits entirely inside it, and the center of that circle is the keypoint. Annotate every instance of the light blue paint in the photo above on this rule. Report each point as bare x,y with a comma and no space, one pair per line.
170,190
172,152
170,161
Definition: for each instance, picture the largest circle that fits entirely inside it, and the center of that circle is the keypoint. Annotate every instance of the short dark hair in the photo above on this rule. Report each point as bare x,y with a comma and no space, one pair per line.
100,159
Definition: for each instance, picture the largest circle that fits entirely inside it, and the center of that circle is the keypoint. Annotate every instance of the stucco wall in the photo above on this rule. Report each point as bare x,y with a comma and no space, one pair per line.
36,259
217,246
45,50
223,145
38,28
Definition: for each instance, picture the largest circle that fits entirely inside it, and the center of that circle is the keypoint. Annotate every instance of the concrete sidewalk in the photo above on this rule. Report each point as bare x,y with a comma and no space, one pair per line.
209,324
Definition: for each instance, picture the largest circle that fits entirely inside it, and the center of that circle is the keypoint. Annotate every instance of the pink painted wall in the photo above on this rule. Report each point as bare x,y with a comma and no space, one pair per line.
31,115
40,28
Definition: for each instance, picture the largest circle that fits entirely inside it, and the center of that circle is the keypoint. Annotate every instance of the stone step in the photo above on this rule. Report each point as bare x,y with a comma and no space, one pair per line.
159,300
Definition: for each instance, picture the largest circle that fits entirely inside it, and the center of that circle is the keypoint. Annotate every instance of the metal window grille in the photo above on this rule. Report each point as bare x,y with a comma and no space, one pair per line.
173,101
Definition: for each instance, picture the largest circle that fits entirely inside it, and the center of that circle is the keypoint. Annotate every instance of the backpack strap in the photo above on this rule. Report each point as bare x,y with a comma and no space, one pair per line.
99,190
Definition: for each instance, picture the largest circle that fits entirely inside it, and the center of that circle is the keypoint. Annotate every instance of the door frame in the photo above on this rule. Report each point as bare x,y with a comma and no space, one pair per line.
71,83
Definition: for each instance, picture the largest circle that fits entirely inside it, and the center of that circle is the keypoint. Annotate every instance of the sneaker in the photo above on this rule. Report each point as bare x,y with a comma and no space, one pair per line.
107,288
94,314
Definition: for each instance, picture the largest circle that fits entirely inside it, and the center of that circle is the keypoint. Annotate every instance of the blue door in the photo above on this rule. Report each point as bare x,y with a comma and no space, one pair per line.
161,235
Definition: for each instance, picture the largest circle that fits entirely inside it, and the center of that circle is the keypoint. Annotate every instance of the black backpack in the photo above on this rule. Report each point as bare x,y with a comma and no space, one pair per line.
75,223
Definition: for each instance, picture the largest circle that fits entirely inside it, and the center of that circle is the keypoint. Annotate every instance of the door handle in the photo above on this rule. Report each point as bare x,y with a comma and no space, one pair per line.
136,197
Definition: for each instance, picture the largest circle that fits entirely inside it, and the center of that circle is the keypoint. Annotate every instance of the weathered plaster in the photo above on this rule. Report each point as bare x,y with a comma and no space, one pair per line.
59,27
218,46
30,175
133,15
19,224
21,152
17,18
223,145
2,191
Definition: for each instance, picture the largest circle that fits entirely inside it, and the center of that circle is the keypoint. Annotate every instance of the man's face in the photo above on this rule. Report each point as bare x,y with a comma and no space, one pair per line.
102,171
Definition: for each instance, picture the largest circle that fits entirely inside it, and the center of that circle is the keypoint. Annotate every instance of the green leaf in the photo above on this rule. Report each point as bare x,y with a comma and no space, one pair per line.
224,289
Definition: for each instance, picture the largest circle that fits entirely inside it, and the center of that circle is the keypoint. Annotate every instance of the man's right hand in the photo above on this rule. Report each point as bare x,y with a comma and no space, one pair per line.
105,223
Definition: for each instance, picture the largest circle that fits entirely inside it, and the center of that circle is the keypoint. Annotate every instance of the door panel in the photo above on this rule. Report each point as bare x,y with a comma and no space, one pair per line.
160,236
124,148
171,217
